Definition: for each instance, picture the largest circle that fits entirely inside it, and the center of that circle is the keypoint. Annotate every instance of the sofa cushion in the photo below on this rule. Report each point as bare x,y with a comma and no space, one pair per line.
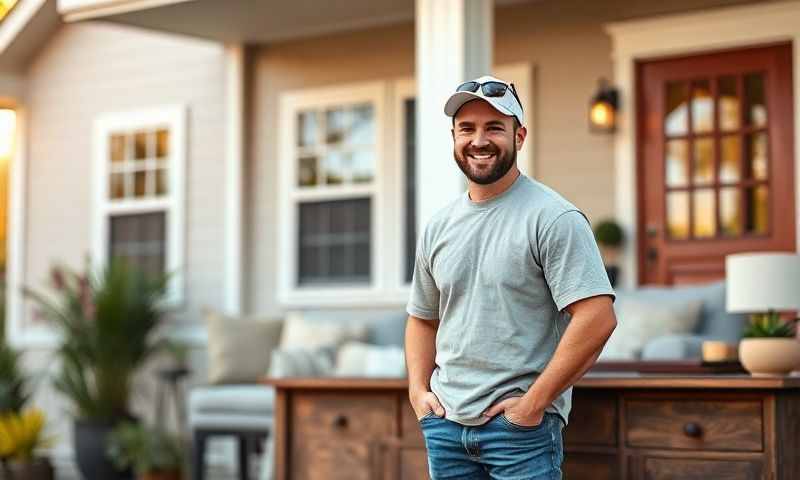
239,348
388,329
238,399
302,332
356,359
231,422
639,321
674,347
302,362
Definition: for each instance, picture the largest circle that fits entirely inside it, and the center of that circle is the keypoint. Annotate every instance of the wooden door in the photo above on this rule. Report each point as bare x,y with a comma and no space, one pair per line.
715,161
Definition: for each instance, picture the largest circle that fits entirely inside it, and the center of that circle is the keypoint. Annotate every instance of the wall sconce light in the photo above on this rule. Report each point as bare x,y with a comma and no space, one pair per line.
603,109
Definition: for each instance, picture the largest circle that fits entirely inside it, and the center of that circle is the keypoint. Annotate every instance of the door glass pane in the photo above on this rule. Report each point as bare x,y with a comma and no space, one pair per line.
675,122
704,224
334,168
756,150
677,163
307,128
730,158
730,211
703,161
729,105
335,125
117,148
755,113
307,174
757,213
702,107
678,215
362,128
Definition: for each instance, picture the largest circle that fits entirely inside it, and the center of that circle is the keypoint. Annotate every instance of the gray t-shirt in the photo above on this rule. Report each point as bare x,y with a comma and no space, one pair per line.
498,275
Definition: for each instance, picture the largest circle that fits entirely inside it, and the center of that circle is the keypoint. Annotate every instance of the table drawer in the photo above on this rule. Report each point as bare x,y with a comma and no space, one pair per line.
720,425
593,420
343,415
701,469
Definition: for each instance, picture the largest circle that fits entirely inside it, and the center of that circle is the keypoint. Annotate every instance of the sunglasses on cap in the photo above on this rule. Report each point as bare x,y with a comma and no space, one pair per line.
489,89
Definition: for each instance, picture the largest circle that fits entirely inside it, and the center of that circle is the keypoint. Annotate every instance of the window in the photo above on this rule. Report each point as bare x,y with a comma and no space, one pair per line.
138,179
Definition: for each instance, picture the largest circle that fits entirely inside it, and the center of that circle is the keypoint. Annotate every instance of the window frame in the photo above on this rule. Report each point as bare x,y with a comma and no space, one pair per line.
173,118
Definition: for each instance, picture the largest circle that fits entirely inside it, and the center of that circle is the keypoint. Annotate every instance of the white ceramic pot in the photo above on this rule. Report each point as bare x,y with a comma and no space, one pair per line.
769,356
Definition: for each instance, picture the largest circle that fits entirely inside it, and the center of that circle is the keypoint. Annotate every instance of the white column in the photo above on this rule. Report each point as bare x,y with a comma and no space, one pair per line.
454,44
234,182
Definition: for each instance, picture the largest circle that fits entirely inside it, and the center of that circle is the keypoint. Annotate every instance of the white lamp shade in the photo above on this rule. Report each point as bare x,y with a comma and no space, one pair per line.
758,282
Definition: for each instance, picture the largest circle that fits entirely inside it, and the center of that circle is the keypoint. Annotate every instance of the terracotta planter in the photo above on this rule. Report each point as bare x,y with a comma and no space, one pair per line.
769,356
176,475
38,469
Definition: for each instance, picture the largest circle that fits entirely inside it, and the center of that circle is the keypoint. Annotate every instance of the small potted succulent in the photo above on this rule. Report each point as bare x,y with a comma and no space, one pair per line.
152,453
21,436
769,346
610,237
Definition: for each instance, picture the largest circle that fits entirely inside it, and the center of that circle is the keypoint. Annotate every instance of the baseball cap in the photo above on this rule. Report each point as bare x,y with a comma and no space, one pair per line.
507,103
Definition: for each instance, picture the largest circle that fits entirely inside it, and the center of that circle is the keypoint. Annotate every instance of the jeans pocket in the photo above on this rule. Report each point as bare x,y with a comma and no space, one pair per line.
522,428
426,416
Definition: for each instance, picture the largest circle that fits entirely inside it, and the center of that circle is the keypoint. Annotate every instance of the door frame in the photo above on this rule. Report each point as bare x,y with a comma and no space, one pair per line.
689,33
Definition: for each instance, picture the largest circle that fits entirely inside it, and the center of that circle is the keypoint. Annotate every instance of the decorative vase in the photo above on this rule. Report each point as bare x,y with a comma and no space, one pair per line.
36,469
769,356
91,440
174,475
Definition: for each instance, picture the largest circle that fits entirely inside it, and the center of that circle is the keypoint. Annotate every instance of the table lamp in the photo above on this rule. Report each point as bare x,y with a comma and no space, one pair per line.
764,284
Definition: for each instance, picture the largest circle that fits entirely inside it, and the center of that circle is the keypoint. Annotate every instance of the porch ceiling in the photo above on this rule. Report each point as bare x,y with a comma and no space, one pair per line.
250,21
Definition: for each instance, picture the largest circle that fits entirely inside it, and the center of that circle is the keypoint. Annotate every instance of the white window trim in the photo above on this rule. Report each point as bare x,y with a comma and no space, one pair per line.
174,204
715,29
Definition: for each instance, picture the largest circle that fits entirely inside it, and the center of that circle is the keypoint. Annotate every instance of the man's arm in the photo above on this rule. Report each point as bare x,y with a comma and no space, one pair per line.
592,322
420,362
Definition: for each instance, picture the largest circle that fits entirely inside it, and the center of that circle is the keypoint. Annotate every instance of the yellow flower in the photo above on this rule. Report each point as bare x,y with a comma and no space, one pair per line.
21,434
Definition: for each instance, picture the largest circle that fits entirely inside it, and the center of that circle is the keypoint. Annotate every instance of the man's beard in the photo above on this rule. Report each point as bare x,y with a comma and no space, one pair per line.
502,164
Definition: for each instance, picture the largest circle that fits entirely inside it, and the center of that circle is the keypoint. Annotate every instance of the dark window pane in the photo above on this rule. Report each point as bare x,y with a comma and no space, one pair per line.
755,107
729,106
141,239
675,122
757,213
334,242
410,182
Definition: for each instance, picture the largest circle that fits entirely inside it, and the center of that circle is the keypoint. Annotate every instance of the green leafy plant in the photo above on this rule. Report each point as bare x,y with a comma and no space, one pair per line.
106,323
146,450
13,388
609,233
769,325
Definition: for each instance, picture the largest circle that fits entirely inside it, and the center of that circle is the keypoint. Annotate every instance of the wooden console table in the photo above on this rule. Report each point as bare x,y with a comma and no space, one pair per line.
622,426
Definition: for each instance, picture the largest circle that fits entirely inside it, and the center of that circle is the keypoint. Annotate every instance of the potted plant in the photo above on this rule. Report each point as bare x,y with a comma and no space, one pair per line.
151,452
610,238
21,435
106,323
769,346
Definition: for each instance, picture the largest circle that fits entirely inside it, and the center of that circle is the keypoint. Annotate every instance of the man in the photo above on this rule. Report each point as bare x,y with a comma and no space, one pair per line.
510,305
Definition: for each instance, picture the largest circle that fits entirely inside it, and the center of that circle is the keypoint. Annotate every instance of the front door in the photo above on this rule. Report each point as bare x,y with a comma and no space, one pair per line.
715,161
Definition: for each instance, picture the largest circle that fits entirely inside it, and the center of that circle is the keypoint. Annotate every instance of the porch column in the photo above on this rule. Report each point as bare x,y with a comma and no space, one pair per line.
234,181
454,41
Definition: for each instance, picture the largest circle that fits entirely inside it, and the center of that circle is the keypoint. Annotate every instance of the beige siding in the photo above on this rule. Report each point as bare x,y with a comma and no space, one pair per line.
89,69
562,40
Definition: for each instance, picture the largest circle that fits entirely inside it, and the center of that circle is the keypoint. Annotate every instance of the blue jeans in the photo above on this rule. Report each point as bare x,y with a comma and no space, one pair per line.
496,450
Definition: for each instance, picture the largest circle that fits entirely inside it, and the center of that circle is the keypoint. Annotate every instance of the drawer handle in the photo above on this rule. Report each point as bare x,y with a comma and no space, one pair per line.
340,422
693,430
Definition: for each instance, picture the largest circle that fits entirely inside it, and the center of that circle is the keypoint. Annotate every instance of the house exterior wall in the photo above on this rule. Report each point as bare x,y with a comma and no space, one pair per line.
89,69
562,41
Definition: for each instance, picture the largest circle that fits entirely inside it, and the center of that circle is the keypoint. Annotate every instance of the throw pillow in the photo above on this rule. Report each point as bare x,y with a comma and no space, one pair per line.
302,362
639,321
300,332
239,348
356,359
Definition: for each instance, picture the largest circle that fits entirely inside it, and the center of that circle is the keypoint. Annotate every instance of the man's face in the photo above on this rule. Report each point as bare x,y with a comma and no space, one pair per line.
485,142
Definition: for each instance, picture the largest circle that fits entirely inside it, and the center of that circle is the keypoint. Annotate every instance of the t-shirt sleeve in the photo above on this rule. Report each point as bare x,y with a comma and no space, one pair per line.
571,260
424,301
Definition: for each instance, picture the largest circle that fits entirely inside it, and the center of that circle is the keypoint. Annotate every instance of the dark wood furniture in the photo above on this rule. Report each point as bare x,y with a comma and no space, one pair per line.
623,426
